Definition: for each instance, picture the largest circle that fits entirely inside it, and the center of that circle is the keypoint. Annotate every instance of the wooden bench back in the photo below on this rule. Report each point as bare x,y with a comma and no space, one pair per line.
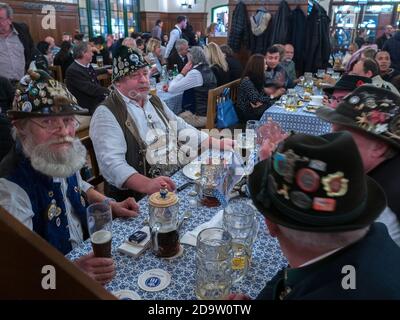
28,263
57,73
213,95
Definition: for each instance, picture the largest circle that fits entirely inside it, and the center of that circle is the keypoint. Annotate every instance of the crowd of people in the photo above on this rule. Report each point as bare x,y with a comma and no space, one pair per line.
321,195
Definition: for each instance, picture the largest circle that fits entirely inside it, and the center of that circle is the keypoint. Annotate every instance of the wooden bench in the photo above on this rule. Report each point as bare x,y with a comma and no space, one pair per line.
213,95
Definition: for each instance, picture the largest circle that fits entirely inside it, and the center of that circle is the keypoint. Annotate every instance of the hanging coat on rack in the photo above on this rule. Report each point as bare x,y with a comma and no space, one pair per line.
298,34
281,24
260,31
240,28
317,45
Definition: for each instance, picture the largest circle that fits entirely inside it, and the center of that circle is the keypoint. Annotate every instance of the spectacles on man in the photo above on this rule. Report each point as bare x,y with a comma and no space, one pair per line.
52,125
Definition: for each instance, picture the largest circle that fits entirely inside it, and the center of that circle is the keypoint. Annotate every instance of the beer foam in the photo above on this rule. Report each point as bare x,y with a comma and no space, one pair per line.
101,236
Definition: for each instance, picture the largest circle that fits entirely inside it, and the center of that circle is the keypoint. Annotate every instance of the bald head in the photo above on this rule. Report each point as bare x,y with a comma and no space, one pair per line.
289,52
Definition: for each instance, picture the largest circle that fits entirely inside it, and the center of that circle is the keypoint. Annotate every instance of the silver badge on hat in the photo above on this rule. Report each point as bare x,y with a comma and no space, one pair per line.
354,99
134,58
26,106
301,200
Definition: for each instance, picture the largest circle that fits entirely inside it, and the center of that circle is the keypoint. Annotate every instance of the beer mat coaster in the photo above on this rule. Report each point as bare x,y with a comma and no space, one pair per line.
126,295
180,252
154,280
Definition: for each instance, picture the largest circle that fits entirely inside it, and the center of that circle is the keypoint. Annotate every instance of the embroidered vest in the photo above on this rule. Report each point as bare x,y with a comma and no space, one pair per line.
50,219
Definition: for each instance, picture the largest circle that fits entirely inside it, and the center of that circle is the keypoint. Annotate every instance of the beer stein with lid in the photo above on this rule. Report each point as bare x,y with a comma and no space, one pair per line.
164,223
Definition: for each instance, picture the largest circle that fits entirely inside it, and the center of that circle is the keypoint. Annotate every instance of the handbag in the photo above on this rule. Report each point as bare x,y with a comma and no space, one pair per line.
226,114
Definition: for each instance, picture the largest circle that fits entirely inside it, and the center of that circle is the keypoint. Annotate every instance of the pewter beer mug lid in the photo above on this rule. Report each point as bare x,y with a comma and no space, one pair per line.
163,199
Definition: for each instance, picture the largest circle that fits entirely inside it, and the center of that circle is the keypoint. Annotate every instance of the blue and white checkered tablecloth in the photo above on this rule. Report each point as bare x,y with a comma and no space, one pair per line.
173,100
298,121
266,261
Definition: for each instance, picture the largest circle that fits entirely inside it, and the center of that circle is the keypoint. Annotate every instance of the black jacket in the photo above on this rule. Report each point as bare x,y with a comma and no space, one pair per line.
221,76
173,59
380,42
298,37
281,24
26,40
235,68
317,45
375,258
63,60
240,28
393,47
83,84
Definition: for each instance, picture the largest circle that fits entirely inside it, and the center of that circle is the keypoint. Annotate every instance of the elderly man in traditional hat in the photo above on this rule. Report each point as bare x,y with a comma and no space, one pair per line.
40,182
131,127
372,115
320,205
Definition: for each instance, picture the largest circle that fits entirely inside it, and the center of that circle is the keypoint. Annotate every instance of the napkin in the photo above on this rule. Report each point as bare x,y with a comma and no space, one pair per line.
190,237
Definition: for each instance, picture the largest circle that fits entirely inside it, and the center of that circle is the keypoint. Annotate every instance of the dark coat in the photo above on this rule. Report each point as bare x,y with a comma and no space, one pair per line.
221,76
317,46
375,257
281,24
173,59
298,37
235,68
83,84
393,47
380,42
240,28
63,60
260,44
26,40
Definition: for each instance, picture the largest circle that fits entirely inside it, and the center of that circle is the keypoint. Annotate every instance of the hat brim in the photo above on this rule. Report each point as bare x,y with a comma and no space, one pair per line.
330,115
375,204
66,111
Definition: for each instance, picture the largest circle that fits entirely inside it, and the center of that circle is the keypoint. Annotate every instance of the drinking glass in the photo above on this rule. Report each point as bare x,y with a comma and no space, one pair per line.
251,130
99,60
213,264
99,219
239,219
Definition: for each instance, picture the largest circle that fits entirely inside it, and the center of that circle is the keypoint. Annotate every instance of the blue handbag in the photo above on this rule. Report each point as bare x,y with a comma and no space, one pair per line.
226,114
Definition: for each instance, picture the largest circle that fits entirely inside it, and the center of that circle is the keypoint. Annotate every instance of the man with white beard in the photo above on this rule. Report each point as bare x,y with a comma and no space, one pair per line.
40,182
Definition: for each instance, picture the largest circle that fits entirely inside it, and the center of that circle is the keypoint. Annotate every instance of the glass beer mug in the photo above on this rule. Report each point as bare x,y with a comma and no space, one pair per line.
164,223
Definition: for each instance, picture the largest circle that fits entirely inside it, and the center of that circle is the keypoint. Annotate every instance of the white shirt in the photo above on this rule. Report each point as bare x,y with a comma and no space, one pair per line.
388,218
82,65
109,141
16,201
174,35
181,83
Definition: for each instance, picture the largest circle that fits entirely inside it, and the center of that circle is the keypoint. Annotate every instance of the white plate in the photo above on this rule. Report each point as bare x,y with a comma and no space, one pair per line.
192,170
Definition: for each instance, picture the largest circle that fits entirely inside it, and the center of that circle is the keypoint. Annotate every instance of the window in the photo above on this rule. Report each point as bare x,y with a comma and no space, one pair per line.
102,17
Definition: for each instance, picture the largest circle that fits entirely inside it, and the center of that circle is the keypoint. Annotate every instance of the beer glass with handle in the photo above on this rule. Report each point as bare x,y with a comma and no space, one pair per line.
99,218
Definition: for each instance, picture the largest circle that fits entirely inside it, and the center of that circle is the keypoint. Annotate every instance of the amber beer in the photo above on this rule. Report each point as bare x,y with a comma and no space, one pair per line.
168,243
101,243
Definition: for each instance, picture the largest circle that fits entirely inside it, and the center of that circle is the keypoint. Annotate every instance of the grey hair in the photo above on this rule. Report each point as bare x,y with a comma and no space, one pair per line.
198,56
323,241
80,49
179,43
8,9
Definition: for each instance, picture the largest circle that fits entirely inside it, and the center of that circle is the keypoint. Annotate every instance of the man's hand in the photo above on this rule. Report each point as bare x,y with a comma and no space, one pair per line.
187,68
325,101
165,87
100,269
126,208
256,105
156,184
279,92
269,91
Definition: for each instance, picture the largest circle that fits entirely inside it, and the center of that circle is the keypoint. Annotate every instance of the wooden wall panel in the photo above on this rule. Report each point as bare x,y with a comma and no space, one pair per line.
30,12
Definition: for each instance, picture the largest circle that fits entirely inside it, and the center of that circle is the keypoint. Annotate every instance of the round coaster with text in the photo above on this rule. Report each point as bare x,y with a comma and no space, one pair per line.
154,280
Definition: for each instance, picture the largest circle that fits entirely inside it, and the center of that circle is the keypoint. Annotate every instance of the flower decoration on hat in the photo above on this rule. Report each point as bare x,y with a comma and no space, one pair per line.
38,95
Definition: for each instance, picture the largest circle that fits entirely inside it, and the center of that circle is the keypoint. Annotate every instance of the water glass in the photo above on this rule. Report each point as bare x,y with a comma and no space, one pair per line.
213,264
239,219
251,129
99,61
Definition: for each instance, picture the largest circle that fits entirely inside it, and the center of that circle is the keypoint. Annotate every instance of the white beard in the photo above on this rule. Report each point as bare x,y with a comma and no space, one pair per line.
61,164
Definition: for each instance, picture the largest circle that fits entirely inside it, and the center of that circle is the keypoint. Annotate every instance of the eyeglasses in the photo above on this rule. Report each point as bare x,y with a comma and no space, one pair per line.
52,125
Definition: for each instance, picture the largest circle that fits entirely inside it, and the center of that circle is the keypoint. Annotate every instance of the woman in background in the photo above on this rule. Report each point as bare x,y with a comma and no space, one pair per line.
64,57
218,63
